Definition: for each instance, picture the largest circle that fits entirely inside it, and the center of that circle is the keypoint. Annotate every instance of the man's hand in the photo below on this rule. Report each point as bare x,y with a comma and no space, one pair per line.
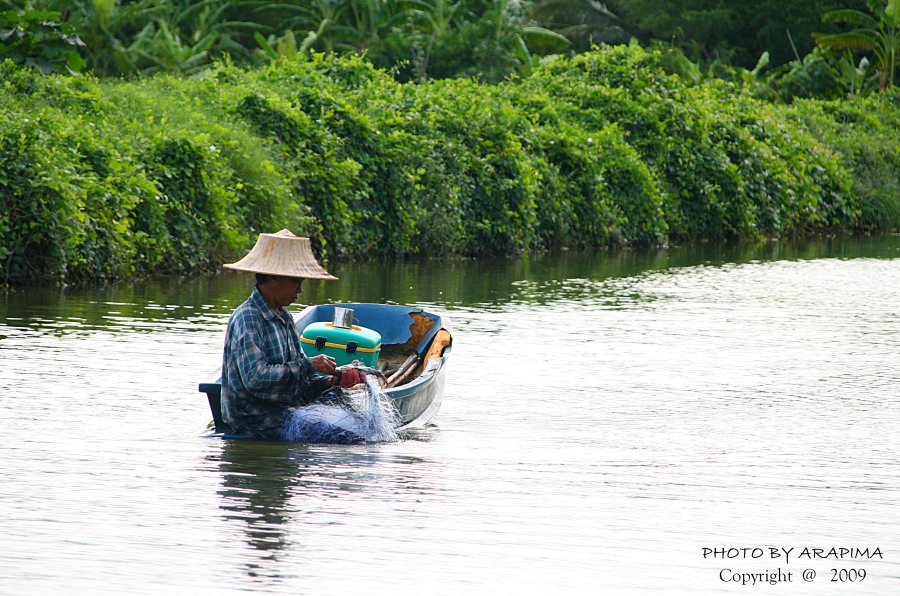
351,377
347,377
323,363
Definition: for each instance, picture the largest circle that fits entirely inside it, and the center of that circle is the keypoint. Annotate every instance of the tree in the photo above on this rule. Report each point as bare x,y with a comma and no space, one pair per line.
40,40
878,32
585,23
127,37
510,30
731,32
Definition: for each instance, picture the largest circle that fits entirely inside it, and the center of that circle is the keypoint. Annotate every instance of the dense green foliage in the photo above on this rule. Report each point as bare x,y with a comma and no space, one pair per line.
104,179
38,40
419,39
732,32
427,39
877,31
864,132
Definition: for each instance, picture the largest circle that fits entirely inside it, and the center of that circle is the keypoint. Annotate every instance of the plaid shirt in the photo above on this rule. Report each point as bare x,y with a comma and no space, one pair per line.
264,371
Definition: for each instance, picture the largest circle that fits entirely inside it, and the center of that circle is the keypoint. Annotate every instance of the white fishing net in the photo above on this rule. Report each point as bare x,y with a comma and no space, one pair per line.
362,414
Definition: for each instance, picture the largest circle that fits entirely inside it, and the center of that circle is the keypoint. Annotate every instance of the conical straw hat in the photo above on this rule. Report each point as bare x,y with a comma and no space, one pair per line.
282,254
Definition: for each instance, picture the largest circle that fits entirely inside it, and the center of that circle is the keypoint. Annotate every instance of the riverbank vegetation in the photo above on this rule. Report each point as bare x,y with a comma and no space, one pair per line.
107,179
161,136
428,39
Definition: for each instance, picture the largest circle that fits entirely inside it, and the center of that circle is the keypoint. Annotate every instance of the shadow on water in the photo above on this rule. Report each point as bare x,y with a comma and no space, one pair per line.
268,487
257,478
487,283
202,303
143,306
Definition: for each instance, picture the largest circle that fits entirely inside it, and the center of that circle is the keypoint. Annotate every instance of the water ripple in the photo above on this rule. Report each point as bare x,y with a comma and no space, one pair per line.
597,432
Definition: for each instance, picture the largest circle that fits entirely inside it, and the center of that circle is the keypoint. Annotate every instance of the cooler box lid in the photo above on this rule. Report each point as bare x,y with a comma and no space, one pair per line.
326,335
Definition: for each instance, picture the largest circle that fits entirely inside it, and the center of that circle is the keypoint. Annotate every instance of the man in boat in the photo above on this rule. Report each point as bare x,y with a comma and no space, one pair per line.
264,371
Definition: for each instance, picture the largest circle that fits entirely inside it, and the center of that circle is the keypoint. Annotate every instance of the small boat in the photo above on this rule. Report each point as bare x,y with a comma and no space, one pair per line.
415,346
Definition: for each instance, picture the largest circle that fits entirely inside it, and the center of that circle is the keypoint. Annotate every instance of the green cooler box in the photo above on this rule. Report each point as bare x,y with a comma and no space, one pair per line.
344,344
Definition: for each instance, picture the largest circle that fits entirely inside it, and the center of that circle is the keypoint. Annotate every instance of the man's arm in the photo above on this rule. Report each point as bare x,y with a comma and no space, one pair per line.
274,382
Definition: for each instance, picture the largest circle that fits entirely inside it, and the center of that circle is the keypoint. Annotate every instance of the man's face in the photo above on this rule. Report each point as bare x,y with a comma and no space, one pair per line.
285,289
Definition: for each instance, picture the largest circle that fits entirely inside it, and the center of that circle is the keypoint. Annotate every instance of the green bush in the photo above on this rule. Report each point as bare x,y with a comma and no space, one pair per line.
864,134
38,39
103,180
66,200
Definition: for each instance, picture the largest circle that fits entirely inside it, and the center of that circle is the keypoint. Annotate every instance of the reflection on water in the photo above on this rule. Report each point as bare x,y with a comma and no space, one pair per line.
256,487
606,417
273,493
201,301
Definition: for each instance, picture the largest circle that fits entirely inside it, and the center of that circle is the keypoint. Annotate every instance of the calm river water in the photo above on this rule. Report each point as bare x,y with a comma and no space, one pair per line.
608,421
